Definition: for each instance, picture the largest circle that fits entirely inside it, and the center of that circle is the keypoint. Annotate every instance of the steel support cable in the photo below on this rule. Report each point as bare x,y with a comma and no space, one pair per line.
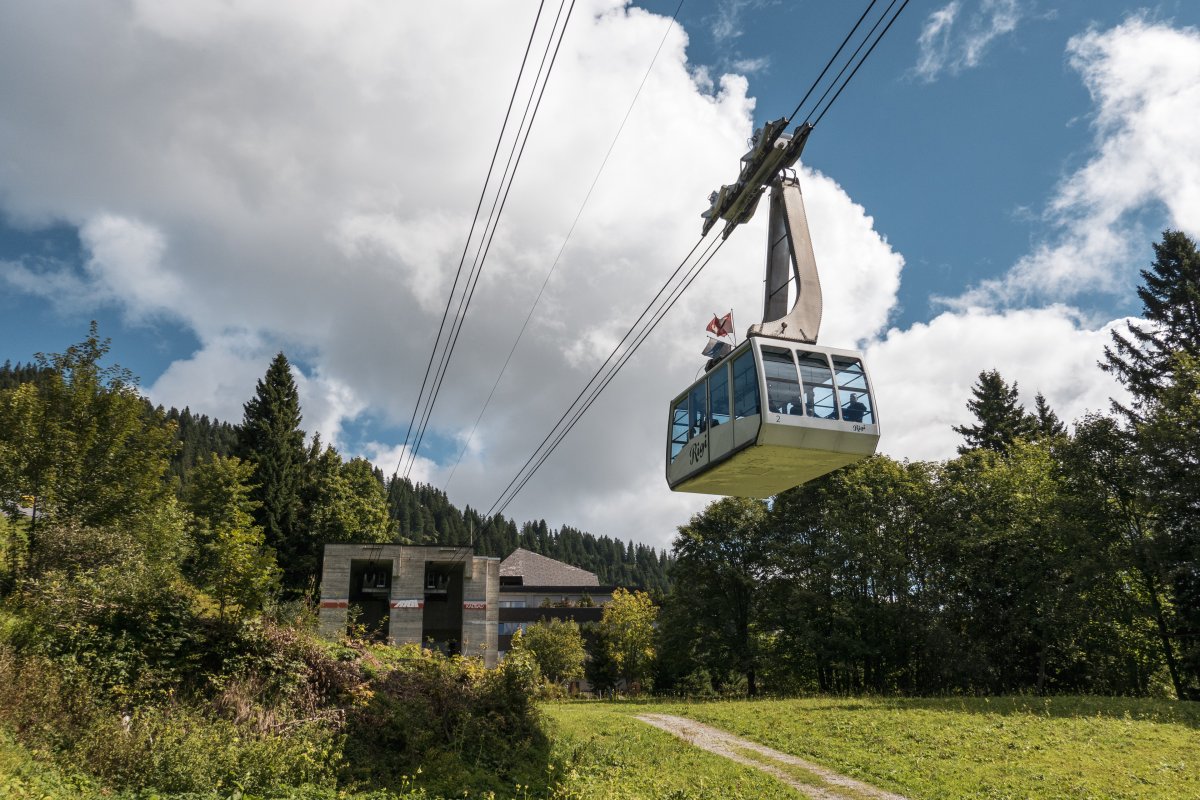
867,55
467,245
606,364
482,252
537,300
476,265
542,75
829,63
625,357
511,494
850,60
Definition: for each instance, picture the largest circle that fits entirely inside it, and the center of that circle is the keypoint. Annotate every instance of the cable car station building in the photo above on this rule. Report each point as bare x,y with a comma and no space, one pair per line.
447,596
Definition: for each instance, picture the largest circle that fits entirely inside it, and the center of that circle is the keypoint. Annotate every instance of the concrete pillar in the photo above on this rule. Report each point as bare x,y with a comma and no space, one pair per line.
408,596
335,593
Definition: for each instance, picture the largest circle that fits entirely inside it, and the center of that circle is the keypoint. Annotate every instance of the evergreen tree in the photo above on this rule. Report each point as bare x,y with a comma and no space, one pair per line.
1170,297
1157,363
1045,422
1001,418
271,440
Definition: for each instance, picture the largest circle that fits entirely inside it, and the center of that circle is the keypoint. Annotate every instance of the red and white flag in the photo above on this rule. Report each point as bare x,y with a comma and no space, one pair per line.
721,326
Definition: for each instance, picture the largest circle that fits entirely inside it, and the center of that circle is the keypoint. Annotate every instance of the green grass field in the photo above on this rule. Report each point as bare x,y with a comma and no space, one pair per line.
1067,747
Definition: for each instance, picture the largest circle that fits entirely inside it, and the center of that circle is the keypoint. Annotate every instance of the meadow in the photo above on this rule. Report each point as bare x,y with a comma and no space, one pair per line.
927,749
1009,747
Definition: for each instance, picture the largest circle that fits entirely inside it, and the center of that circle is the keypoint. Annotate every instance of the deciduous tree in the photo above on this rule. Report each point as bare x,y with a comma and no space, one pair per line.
627,632
80,445
557,646
233,563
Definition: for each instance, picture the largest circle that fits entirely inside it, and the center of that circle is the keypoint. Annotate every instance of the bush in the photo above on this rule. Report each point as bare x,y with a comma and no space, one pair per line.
173,746
464,726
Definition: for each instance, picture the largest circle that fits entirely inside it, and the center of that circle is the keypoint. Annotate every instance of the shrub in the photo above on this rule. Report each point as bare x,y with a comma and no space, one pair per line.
465,726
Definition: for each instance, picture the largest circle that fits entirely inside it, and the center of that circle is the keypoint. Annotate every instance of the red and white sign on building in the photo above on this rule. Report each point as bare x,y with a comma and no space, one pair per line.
474,605
408,603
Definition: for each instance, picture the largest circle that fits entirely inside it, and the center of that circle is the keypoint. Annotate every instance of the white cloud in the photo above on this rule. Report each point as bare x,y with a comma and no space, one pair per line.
923,375
728,22
288,176
299,177
953,40
1145,81
124,267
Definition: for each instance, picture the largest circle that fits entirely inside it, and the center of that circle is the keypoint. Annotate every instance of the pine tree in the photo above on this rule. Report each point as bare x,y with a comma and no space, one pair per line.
270,438
1001,418
1045,422
1170,295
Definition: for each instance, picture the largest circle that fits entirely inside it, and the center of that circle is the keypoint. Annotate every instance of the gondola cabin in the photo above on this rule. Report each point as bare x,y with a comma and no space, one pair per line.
771,415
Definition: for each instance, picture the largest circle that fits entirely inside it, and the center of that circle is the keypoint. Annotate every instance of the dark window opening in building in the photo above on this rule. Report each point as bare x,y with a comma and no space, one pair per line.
442,620
370,586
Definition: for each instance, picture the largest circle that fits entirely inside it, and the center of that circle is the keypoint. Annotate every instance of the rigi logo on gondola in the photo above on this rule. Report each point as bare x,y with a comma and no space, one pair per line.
696,451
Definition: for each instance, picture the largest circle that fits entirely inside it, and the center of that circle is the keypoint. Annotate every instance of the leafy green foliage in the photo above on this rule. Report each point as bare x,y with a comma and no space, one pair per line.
462,725
114,609
726,549
626,637
79,445
343,501
231,561
557,647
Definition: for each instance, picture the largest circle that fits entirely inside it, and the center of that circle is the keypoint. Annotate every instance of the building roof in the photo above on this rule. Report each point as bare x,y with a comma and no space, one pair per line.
536,570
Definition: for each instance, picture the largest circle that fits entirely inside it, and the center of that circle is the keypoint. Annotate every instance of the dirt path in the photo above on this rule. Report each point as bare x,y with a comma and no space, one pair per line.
811,779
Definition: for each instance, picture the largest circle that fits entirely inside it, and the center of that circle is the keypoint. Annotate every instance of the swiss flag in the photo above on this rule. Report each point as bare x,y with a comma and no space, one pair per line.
721,326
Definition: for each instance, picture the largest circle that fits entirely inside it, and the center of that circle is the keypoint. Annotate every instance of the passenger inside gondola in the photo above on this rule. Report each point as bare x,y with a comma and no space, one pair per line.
854,410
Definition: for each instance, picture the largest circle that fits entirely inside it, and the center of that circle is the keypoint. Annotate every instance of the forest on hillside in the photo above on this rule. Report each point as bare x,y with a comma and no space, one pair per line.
390,509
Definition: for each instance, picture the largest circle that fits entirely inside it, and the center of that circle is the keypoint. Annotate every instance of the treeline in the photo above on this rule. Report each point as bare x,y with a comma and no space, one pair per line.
1037,560
425,515
304,496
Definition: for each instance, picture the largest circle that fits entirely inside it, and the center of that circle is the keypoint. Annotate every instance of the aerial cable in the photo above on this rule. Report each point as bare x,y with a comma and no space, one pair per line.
829,63
489,230
605,365
493,222
850,61
466,245
682,287
865,56
481,252
563,247
539,456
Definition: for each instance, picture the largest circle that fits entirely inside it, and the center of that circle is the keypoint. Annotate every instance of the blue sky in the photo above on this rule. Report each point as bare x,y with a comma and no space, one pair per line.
214,184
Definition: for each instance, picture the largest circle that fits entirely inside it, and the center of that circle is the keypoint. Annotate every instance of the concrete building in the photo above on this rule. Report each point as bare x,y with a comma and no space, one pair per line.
444,596
534,587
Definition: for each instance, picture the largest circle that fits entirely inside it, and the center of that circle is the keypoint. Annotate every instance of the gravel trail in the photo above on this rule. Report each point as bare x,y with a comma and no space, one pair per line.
806,777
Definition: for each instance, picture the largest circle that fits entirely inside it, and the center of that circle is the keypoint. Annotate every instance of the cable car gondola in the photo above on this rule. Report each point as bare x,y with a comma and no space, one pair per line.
779,410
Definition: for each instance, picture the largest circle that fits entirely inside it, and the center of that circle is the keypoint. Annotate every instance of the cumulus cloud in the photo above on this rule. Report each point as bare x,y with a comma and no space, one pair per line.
1144,79
273,176
923,375
953,40
302,177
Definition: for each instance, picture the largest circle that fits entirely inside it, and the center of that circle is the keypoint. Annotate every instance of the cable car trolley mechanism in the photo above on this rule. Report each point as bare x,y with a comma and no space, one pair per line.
779,410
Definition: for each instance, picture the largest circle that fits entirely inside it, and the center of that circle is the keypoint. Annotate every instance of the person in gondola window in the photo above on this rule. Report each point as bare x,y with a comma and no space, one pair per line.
854,410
